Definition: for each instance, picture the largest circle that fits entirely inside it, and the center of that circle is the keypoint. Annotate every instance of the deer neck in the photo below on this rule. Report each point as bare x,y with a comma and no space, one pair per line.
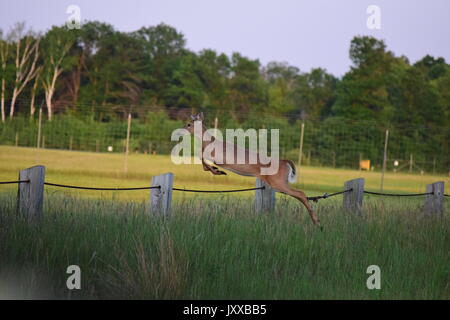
205,137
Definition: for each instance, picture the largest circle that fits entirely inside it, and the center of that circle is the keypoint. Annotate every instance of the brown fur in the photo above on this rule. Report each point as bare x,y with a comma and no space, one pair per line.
278,181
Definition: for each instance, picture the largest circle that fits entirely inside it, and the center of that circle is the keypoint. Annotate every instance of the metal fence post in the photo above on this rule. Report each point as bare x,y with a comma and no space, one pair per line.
30,196
353,199
161,198
264,198
434,203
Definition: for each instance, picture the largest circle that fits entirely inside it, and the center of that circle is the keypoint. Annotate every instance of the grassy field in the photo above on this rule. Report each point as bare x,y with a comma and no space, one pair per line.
107,170
214,247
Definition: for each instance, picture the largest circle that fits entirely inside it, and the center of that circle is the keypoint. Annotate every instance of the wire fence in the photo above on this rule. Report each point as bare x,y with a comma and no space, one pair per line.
315,198
397,195
32,181
326,195
14,182
218,191
147,188
98,188
312,198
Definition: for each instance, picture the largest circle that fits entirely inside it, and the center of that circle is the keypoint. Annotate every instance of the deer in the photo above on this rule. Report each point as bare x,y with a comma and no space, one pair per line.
280,181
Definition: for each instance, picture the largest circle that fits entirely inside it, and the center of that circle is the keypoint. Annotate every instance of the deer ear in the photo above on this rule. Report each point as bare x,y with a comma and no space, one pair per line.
200,116
193,117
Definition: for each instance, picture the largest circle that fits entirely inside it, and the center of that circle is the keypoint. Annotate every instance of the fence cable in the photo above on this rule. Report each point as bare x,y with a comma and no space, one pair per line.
127,189
326,195
93,188
17,181
217,191
397,194
314,198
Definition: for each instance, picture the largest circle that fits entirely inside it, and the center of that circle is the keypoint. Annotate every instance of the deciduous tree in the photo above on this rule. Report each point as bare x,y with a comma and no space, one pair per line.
56,45
4,57
26,57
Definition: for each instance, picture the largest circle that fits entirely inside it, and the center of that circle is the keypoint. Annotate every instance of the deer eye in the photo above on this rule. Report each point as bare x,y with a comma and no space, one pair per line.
188,125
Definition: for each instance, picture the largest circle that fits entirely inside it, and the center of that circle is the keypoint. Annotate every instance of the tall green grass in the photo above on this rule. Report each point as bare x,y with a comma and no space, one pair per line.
219,248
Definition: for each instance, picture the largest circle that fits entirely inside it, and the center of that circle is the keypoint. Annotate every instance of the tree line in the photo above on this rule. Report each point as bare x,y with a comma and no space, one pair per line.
100,66
91,78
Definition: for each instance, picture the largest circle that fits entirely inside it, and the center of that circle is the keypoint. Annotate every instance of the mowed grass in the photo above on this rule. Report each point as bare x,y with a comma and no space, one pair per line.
108,170
214,247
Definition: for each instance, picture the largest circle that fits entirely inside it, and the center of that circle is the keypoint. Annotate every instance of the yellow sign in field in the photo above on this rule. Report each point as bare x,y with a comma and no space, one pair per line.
364,165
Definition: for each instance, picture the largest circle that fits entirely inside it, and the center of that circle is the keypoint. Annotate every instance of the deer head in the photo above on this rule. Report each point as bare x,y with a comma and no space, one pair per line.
190,125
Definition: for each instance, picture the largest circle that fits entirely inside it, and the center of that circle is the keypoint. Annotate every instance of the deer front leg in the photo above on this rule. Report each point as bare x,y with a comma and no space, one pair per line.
214,170
205,166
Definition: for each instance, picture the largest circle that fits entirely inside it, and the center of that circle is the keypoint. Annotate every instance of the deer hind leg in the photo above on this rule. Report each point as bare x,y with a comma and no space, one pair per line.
283,186
300,195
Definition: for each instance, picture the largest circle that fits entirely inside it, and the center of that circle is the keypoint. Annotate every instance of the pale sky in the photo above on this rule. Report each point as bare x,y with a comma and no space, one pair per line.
306,34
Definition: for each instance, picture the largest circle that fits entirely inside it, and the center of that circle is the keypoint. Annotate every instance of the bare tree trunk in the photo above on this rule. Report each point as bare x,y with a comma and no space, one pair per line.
33,95
25,67
4,53
13,103
52,70
48,100
50,90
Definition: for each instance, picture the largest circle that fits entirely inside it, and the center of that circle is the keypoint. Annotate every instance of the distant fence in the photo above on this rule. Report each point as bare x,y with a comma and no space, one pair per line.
331,143
32,181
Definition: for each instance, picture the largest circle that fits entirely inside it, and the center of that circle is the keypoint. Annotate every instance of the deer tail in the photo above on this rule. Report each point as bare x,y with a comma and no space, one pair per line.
292,175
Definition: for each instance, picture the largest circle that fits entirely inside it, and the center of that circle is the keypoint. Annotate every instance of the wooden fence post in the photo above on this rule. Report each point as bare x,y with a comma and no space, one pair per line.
30,196
264,198
434,203
300,152
127,143
161,198
39,129
353,199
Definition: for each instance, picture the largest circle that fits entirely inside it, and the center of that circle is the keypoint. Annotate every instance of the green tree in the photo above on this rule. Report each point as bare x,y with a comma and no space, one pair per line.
282,79
247,90
214,73
314,94
162,46
443,87
114,64
363,92
432,67
95,39
185,88
416,102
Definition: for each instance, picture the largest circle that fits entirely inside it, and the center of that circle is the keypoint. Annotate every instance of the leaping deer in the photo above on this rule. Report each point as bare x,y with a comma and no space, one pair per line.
279,181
